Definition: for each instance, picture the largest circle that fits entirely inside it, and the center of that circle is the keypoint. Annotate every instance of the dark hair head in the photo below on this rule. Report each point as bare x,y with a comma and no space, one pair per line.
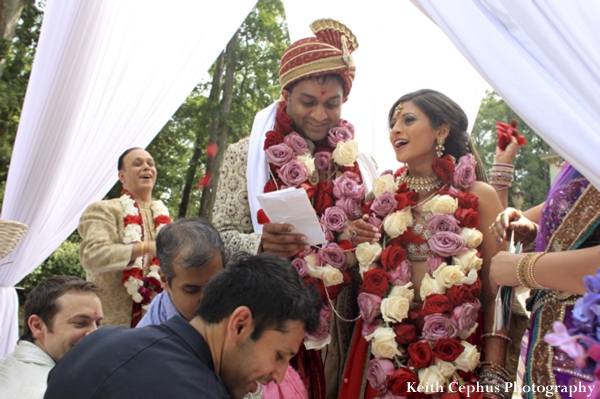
441,110
321,80
191,241
123,155
269,286
41,301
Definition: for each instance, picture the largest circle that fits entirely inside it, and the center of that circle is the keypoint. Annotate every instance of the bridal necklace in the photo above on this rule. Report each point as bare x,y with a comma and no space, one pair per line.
428,183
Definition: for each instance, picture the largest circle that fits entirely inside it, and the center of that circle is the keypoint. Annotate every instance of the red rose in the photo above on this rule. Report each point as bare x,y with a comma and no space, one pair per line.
309,281
310,190
146,294
399,172
273,185
162,219
134,272
376,282
130,219
447,349
436,303
505,132
420,354
460,294
321,201
401,380
262,217
476,287
365,208
345,244
153,284
353,169
392,257
405,333
326,187
468,201
444,168
283,123
405,199
272,138
468,217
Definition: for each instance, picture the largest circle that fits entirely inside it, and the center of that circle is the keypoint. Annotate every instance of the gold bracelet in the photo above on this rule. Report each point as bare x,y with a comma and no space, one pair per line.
142,244
530,271
525,270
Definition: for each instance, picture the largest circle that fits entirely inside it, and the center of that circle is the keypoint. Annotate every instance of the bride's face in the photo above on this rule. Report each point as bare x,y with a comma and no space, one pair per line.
411,135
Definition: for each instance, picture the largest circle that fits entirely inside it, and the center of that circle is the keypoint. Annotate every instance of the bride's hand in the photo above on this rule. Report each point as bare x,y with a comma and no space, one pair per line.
360,231
512,220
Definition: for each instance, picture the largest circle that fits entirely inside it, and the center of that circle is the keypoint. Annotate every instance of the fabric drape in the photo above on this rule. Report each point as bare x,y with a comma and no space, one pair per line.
107,76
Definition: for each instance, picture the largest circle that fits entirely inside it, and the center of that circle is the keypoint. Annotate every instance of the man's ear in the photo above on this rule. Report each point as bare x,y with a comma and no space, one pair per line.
122,176
163,279
285,94
37,326
240,325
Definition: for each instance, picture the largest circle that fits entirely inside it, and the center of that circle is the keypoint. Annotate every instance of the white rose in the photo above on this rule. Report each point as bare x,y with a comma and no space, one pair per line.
394,309
314,271
137,298
469,260
449,275
464,334
441,204
430,286
446,368
132,233
384,183
404,291
397,223
311,260
346,153
473,237
331,276
470,278
310,344
431,380
384,343
468,359
308,161
367,253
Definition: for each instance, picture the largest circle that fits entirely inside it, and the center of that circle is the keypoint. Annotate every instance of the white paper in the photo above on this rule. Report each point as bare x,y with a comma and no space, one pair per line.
293,207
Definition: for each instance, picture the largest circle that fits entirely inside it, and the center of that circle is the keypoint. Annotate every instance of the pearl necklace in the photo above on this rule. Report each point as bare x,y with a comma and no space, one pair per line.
431,182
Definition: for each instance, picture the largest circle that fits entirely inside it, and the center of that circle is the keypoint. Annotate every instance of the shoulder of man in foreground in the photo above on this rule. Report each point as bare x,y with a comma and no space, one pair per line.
154,361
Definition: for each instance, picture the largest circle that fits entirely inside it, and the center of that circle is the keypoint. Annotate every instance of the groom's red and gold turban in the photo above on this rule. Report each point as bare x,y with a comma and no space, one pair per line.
330,52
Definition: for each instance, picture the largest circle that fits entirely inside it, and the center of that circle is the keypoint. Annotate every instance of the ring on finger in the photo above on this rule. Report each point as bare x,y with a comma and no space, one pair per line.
354,233
491,228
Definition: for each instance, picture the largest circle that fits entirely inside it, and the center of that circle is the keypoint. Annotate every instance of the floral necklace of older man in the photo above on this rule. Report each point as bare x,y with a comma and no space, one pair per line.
334,186
424,345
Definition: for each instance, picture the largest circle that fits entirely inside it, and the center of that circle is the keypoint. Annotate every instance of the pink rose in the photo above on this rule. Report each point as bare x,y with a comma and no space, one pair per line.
379,372
348,185
375,221
433,262
300,266
323,162
384,204
369,328
368,305
443,222
349,206
402,274
464,173
447,244
466,315
347,125
323,329
335,219
279,154
296,143
438,326
334,255
339,133
293,173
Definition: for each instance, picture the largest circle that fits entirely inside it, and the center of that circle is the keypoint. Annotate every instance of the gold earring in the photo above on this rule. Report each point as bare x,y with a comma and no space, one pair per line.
439,148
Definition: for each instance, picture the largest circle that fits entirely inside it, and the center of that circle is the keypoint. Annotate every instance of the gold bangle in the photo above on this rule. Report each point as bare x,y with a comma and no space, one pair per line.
142,247
525,270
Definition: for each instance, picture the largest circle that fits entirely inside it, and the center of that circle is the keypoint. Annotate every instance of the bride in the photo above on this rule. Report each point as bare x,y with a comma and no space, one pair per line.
426,301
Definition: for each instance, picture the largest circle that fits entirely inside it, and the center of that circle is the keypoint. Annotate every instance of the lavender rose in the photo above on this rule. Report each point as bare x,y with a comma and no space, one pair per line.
323,329
323,161
384,204
334,255
293,173
279,154
300,266
438,326
368,305
347,125
339,133
466,315
335,219
349,206
379,372
402,274
296,143
369,328
433,262
443,222
348,186
464,172
447,244
375,221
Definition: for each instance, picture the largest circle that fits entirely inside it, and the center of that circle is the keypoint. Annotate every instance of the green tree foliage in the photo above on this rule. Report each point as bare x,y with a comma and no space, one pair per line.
531,173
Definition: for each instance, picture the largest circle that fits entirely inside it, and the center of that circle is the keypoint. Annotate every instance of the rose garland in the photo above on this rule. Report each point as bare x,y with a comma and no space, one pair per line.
332,180
425,345
138,282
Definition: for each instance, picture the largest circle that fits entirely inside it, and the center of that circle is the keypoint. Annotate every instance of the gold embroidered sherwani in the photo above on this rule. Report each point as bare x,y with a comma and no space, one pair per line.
104,256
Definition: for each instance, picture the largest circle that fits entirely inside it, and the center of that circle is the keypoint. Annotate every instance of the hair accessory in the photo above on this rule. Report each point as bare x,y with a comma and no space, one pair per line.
439,148
397,110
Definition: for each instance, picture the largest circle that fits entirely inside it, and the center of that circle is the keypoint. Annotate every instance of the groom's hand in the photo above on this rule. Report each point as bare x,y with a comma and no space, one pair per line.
279,239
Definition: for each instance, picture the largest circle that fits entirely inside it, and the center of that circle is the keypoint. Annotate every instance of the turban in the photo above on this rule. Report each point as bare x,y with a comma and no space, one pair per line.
330,52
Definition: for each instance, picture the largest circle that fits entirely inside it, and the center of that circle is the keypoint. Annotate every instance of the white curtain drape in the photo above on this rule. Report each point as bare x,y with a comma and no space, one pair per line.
107,76
543,58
